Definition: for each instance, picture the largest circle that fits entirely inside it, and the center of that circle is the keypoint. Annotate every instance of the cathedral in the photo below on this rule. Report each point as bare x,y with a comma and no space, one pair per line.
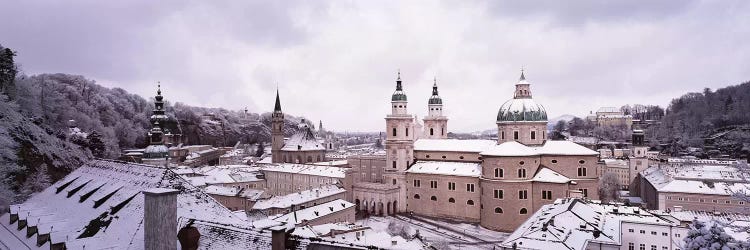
496,183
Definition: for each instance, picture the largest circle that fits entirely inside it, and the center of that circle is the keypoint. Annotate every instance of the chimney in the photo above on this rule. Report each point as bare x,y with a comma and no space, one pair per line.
160,218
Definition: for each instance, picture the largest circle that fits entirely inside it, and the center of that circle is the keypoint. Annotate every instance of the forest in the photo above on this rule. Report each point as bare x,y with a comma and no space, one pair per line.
38,146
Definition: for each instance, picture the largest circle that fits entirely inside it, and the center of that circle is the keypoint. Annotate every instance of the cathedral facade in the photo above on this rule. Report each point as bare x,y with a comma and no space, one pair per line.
497,184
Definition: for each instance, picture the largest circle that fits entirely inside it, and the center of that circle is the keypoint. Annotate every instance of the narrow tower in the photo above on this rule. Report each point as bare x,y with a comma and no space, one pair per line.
277,131
435,124
157,153
521,119
399,143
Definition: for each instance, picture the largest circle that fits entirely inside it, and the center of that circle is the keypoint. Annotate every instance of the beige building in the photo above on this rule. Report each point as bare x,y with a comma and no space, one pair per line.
286,178
612,117
496,183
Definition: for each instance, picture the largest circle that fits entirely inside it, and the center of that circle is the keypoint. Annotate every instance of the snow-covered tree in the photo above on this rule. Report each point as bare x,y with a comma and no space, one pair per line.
399,229
609,187
703,237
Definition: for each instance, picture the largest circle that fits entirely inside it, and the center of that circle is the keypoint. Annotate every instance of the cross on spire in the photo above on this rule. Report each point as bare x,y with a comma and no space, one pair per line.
522,76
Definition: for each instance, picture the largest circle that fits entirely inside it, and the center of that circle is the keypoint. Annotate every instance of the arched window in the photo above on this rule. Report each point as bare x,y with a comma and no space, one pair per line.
470,202
433,198
431,133
416,196
285,160
498,210
394,131
451,200
309,158
523,211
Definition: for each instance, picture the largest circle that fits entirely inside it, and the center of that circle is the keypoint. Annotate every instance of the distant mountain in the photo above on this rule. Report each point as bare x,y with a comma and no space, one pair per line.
551,122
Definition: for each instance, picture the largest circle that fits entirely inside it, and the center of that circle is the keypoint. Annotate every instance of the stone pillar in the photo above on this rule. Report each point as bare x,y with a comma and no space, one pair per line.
160,218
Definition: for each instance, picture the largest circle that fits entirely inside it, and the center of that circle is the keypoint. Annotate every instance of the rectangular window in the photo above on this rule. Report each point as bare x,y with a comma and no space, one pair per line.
470,187
653,232
498,194
631,246
630,231
664,234
502,135
433,184
653,247
498,173
407,131
515,135
523,194
581,171
533,135
451,186
584,191
546,195
642,247
394,164
417,183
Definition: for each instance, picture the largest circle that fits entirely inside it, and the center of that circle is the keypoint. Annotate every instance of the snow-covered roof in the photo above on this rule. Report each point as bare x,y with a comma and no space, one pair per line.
225,174
332,163
286,201
314,212
573,223
348,234
335,172
446,168
100,205
304,140
564,148
608,110
510,148
250,194
706,179
452,145
513,148
549,175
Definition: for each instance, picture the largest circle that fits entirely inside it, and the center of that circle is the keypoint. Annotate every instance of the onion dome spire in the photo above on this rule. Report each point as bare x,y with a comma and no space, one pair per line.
399,94
435,98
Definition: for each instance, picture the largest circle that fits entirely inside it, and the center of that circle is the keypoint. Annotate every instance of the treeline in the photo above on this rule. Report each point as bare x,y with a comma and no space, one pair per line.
692,117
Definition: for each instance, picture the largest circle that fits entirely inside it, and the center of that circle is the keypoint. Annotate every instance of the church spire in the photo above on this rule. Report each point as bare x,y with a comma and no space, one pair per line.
434,86
398,81
523,78
277,107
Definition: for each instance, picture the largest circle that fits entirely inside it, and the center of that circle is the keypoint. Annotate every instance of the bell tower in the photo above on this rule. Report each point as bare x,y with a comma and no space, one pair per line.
435,124
277,131
399,143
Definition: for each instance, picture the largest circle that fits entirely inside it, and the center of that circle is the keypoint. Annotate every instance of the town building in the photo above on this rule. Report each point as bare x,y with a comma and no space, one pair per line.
695,187
496,183
286,178
611,117
300,200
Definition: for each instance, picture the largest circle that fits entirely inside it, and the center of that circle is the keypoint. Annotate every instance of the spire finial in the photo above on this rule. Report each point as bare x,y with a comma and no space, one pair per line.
158,87
522,76
434,81
399,75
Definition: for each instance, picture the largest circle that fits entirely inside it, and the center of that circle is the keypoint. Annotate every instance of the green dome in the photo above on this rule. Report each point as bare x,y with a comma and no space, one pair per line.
523,110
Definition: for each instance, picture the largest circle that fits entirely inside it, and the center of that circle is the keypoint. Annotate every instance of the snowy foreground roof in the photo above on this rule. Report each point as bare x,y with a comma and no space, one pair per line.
286,201
347,233
446,168
100,205
574,223
335,172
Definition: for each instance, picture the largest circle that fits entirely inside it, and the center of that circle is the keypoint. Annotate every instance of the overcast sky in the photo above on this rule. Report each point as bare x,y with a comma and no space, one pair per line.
337,61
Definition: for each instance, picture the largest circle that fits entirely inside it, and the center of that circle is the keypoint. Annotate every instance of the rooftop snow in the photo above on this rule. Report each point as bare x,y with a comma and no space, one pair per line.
314,212
511,148
548,175
286,201
304,140
335,172
453,145
446,168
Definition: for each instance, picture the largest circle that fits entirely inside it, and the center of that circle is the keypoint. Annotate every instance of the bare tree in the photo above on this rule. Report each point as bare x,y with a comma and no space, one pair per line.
609,187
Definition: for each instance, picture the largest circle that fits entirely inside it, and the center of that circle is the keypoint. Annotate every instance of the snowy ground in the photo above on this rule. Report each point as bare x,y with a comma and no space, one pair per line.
455,235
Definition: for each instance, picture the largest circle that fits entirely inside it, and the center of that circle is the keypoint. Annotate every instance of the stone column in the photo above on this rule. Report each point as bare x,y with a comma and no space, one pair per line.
160,218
